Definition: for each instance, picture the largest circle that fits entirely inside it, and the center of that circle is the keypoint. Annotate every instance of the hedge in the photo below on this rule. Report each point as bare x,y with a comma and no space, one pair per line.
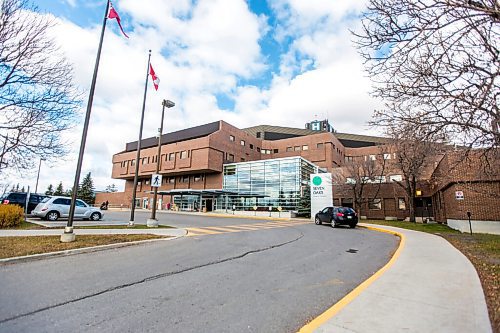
11,216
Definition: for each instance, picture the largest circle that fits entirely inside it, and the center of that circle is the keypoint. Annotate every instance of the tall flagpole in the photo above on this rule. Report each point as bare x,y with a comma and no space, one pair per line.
136,175
68,235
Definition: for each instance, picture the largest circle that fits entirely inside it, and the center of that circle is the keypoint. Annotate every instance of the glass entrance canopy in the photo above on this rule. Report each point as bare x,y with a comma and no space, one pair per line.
279,182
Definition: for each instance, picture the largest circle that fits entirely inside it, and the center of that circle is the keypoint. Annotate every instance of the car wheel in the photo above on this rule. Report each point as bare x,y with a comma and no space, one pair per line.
95,216
317,221
352,225
52,216
334,225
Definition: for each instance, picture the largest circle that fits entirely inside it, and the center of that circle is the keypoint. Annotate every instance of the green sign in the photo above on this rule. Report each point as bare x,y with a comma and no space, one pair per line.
317,181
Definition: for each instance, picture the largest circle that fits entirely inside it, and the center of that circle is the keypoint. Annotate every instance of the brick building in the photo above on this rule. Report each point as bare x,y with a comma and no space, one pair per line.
193,159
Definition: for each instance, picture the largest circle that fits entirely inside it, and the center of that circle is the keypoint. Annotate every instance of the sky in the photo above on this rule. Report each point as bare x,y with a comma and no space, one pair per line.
280,62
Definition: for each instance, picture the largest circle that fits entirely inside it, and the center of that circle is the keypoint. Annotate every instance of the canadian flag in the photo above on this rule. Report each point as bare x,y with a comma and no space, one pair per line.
114,15
156,79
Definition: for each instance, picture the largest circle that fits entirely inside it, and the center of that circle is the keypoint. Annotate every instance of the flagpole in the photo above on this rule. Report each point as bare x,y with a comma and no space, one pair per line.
68,235
136,175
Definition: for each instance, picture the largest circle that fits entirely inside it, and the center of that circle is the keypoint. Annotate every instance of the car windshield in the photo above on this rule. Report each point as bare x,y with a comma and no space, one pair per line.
346,210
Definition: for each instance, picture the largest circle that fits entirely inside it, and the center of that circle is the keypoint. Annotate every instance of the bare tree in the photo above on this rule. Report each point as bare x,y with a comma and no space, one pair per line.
359,173
37,99
436,65
415,152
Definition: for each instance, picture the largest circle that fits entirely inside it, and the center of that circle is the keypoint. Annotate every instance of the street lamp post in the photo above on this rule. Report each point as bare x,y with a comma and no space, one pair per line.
153,222
38,175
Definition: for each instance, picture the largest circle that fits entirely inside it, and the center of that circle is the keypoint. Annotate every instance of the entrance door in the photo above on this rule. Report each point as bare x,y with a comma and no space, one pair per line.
208,204
145,203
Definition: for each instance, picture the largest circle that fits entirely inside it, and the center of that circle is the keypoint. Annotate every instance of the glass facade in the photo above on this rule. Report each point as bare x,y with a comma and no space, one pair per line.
277,182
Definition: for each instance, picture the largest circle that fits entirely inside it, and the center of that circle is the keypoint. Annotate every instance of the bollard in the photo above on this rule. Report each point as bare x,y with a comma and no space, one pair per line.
470,225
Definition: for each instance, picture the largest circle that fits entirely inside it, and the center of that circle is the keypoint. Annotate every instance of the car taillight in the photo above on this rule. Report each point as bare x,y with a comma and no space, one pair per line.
6,202
340,214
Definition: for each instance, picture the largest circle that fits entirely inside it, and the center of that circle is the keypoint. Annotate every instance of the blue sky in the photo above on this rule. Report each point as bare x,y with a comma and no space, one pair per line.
281,62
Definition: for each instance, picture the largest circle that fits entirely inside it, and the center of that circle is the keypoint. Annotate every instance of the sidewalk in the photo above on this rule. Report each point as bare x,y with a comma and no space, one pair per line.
429,287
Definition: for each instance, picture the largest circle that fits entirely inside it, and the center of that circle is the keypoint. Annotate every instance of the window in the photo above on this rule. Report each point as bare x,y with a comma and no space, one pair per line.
143,161
147,182
305,147
319,145
375,204
396,178
80,203
258,149
379,179
348,159
387,156
401,203
242,142
185,179
296,148
350,180
258,135
288,148
61,201
171,156
171,180
242,159
184,154
373,157
132,162
230,157
251,146
231,138
276,151
198,178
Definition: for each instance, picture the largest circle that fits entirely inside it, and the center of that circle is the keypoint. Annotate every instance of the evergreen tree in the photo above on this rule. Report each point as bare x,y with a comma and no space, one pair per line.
22,190
17,187
86,191
50,190
68,193
59,190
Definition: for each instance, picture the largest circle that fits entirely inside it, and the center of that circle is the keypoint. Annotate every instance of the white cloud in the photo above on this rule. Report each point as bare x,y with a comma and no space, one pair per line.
200,50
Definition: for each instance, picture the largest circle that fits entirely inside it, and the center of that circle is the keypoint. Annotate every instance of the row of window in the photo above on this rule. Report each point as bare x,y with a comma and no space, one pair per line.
154,159
376,179
375,204
180,179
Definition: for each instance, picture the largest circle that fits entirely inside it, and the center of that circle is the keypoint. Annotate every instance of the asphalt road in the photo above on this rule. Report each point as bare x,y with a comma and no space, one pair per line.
264,280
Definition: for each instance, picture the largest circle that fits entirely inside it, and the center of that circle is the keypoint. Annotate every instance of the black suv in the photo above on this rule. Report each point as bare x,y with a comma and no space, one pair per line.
19,198
337,216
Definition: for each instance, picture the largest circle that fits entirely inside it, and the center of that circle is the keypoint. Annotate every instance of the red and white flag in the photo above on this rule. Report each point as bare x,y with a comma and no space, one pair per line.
156,79
114,15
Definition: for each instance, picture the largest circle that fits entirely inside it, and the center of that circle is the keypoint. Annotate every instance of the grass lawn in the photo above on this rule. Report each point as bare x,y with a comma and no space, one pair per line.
22,246
483,250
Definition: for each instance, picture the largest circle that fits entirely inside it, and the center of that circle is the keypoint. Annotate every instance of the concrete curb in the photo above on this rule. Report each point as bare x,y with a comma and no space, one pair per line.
40,256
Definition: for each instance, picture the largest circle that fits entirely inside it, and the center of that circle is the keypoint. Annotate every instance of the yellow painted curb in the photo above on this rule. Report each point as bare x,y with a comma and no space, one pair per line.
328,314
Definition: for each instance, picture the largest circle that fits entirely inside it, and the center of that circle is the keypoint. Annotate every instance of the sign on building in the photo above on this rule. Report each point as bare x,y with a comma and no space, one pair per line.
155,180
459,195
321,192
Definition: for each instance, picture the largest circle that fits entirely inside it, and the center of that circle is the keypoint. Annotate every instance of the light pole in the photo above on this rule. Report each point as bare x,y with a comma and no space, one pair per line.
153,222
38,175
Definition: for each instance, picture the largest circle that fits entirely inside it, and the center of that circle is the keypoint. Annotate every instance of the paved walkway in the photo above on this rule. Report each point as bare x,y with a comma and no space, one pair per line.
429,287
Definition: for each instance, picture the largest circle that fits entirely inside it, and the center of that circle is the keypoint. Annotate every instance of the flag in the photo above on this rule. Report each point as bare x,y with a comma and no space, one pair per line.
156,79
114,15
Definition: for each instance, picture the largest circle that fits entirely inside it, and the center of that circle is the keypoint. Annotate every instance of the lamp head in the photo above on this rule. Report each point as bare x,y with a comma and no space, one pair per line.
168,103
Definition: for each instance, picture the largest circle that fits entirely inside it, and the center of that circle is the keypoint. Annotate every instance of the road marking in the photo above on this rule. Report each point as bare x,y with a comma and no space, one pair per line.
328,314
241,227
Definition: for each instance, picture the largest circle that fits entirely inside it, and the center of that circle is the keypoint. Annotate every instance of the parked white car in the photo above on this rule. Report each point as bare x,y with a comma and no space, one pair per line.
52,208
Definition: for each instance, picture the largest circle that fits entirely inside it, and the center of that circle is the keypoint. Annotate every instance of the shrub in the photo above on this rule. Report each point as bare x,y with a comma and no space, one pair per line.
11,216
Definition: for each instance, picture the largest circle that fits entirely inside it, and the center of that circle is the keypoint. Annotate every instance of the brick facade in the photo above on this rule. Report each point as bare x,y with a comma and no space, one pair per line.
195,161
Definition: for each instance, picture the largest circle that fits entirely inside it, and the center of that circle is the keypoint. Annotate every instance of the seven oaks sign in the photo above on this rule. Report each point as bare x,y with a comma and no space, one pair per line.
321,192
